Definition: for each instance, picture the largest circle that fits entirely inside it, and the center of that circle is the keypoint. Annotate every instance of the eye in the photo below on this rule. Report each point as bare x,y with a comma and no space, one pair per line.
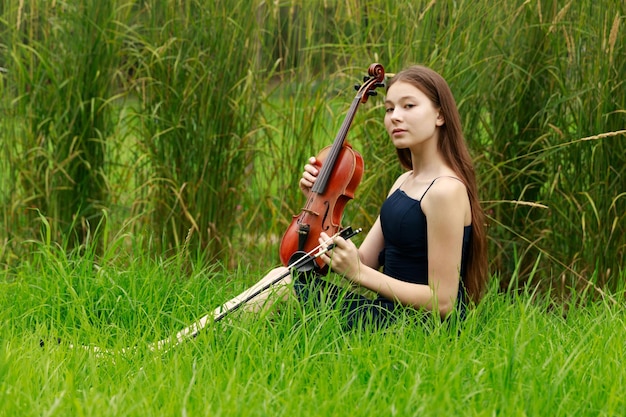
409,106
388,109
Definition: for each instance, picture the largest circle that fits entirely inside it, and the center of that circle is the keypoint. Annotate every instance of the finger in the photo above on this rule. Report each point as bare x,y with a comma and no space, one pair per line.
323,253
339,242
326,259
324,240
305,184
308,177
310,171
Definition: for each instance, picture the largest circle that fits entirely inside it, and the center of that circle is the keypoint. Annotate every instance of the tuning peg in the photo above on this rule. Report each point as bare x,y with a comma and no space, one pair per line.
372,93
380,85
357,87
366,79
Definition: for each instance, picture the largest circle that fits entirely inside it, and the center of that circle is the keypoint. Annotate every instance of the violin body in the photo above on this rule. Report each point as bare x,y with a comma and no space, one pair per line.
323,212
340,171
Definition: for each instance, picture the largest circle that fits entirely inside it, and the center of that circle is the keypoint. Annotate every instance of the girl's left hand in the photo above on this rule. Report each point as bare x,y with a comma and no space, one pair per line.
343,258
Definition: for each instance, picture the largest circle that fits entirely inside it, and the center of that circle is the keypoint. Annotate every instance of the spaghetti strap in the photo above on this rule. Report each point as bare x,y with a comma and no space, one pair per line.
431,184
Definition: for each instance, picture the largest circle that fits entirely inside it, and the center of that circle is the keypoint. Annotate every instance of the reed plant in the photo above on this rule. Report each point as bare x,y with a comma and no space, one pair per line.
194,72
534,128
224,101
61,59
524,77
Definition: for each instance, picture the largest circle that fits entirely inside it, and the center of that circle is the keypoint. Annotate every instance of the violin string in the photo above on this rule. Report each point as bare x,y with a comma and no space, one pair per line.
324,175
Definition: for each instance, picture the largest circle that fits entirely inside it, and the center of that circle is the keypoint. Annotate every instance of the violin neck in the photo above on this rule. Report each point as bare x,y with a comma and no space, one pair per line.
329,163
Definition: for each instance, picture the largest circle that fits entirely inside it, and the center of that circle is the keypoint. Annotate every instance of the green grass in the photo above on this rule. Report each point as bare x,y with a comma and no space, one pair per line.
515,355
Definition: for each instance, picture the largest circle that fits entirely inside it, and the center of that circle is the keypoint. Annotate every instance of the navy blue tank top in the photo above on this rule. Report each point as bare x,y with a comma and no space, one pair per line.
405,254
405,257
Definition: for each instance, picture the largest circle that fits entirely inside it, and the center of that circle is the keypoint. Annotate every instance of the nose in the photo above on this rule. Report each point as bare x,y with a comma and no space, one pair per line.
395,115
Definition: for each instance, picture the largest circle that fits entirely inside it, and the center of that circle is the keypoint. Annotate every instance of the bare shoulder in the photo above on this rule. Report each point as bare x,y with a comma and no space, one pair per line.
447,188
447,196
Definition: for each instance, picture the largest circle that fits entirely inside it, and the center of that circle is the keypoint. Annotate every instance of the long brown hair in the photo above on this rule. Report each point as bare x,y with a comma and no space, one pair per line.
454,149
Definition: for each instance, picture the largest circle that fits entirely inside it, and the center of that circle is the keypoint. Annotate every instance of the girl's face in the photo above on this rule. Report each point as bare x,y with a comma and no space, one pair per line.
411,119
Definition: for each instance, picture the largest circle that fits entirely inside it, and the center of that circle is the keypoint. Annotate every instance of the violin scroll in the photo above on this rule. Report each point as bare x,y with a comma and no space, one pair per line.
374,79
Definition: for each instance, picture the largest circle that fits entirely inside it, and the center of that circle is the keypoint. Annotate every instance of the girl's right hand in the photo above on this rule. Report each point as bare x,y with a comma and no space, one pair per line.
309,176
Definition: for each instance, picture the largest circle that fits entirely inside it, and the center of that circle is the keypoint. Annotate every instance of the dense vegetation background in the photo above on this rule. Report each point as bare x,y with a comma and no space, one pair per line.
149,158
163,127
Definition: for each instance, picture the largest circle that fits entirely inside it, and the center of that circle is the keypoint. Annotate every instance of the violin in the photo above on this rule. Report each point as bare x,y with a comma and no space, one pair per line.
340,170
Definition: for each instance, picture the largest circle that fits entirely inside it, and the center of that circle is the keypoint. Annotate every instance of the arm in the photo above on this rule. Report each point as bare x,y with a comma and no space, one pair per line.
372,245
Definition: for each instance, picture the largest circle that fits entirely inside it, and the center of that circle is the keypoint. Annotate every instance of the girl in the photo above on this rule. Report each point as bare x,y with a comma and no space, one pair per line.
427,248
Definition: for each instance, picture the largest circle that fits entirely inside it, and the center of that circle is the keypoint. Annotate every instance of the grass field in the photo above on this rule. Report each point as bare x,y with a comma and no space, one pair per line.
514,355
149,154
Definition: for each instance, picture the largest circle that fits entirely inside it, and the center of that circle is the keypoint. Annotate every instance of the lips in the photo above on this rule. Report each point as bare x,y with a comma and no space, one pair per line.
397,131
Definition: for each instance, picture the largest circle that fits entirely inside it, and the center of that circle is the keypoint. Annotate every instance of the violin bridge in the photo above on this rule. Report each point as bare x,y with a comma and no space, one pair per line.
306,210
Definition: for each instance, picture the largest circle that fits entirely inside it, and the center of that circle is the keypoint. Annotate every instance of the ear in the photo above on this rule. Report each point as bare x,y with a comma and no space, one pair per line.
440,120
